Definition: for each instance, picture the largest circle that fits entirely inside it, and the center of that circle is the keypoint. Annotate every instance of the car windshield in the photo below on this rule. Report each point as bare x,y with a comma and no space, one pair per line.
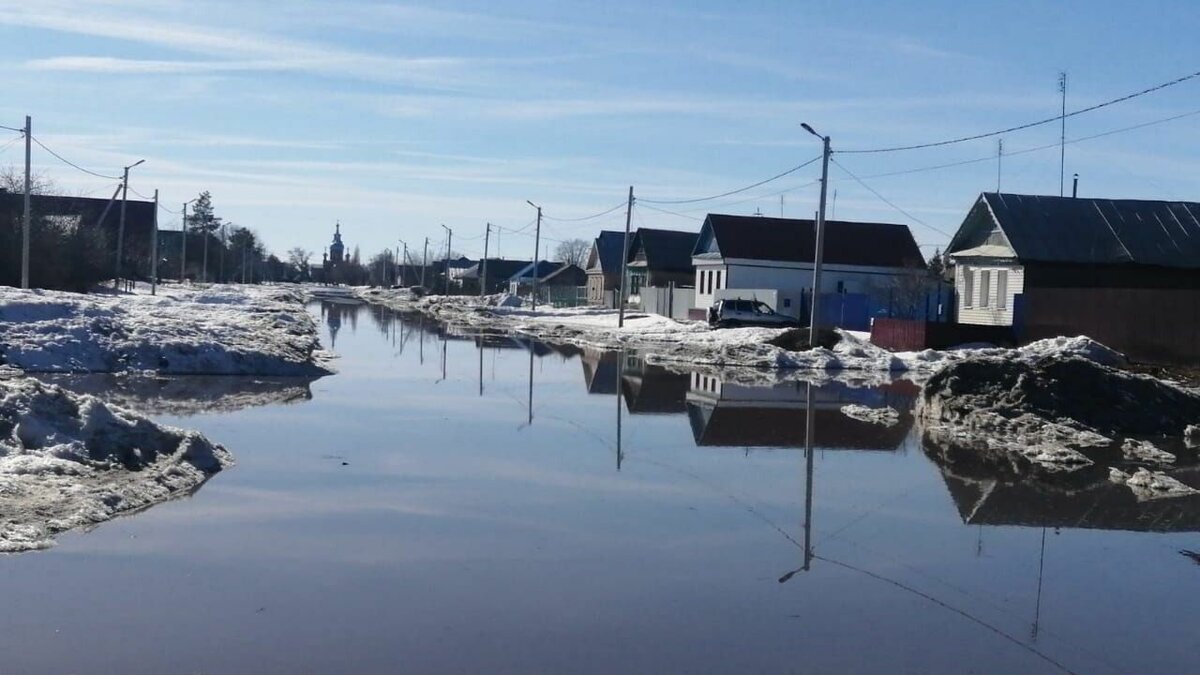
763,308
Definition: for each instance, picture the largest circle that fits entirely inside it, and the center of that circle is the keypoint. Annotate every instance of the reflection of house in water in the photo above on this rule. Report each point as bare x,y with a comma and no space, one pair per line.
653,390
984,497
332,313
600,370
727,414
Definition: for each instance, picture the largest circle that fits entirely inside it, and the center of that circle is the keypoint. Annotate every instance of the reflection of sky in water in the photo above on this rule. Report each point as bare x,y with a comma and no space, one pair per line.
458,536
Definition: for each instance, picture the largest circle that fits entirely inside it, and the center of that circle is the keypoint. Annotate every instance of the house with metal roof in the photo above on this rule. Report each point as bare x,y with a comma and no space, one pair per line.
1123,271
771,259
659,265
604,268
493,273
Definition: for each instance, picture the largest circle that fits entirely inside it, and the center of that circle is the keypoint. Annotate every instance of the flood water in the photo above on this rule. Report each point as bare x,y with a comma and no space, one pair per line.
454,503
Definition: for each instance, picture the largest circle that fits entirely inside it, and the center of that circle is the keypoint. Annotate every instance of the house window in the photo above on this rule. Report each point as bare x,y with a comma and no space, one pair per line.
985,288
1002,289
708,287
787,302
968,293
841,287
718,279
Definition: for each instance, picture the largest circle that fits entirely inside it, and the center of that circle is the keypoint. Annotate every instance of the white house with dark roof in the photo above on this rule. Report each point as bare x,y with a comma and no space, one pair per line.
771,259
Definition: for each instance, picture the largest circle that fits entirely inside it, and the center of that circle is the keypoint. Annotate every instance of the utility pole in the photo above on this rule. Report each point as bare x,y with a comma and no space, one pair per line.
487,235
446,264
221,265
244,259
819,253
183,247
121,226
624,262
204,269
25,217
424,261
1062,137
404,269
537,238
154,250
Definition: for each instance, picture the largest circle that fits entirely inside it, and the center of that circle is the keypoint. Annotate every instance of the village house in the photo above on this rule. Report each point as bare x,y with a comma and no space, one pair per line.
493,272
604,268
660,271
771,259
1125,272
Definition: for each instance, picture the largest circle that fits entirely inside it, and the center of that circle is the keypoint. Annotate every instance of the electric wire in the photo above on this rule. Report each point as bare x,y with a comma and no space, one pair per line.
777,176
885,200
19,131
68,162
9,144
591,217
1039,148
669,213
1027,125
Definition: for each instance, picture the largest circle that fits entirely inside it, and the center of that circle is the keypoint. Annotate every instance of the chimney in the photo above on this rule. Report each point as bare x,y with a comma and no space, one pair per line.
1075,187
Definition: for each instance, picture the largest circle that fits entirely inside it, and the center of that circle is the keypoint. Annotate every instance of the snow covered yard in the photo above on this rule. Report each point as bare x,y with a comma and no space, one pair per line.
225,330
69,461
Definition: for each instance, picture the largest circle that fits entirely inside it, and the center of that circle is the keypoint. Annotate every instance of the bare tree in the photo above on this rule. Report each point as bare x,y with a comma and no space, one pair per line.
573,251
298,257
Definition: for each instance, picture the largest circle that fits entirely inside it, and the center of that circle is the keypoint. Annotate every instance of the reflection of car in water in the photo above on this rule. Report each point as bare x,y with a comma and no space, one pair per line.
727,313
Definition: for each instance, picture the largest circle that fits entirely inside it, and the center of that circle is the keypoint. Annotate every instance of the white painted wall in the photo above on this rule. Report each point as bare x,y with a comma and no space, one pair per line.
790,279
994,309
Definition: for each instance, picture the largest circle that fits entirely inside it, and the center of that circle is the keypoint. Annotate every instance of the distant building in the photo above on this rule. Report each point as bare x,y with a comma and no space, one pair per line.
771,259
604,268
333,262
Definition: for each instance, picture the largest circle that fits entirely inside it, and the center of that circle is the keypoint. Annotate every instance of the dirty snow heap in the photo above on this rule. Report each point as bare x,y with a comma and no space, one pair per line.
232,330
70,461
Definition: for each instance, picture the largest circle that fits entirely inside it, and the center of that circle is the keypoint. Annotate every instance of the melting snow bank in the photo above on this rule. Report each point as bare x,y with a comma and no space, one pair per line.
70,461
665,341
227,330
886,416
1056,412
1151,484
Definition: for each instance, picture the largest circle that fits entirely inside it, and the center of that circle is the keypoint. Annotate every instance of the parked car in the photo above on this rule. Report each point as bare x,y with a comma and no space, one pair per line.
729,313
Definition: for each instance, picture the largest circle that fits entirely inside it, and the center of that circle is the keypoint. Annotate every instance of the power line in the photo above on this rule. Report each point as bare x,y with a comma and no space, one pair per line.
10,143
777,176
19,131
1029,125
885,200
992,158
669,213
591,217
68,162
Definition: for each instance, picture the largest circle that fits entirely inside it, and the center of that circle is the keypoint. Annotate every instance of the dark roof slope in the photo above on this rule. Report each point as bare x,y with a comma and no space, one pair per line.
496,269
794,240
1098,231
665,250
608,249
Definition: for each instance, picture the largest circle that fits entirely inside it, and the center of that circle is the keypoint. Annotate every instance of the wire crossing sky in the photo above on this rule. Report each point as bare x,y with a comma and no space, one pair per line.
396,117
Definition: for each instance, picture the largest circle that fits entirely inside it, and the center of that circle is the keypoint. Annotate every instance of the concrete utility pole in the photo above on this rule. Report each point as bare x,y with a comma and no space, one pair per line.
487,235
26,217
819,253
404,262
424,261
446,264
221,262
624,262
154,250
1062,138
121,226
537,237
999,160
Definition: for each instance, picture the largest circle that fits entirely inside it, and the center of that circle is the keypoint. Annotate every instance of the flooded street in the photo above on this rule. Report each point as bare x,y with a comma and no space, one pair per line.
458,503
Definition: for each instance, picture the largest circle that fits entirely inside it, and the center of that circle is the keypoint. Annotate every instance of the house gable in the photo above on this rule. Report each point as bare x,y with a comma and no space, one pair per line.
787,240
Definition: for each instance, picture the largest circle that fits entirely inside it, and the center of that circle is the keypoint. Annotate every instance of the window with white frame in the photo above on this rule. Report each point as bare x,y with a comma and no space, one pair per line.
718,279
968,292
1002,289
985,288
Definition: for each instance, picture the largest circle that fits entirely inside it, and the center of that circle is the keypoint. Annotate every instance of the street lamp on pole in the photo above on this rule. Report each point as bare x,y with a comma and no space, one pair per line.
537,237
121,226
819,251
446,263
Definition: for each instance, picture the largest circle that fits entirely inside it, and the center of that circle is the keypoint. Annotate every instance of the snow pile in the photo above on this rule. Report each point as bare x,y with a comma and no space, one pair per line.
1042,407
69,461
183,330
888,416
1147,484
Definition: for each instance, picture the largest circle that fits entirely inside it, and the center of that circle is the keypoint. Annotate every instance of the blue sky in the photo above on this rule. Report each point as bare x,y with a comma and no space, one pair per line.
395,117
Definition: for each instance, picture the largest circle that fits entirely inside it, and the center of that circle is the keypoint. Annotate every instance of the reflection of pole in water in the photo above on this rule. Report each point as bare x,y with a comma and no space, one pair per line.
444,342
422,343
480,343
620,375
531,384
808,479
1037,608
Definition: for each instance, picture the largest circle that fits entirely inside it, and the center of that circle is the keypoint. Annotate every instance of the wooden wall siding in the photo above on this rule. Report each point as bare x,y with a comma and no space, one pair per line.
990,315
1149,325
